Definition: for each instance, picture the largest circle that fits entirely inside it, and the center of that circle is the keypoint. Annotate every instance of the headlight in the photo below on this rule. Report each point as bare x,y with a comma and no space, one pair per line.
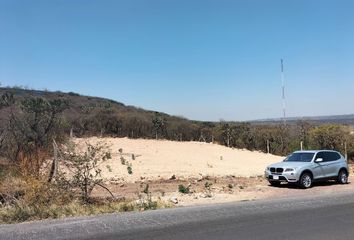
290,170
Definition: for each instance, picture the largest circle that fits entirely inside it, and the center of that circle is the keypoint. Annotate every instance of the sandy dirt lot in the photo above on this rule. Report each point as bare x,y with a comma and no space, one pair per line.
159,159
212,173
220,190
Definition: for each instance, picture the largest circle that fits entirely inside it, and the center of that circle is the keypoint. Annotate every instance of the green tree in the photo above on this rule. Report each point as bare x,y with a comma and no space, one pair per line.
31,128
159,123
329,136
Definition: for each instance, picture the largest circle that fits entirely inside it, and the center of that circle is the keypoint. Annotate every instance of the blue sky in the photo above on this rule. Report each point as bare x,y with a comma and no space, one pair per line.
205,60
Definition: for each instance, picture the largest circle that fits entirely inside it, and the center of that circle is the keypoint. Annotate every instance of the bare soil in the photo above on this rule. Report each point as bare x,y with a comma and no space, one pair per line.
221,190
161,159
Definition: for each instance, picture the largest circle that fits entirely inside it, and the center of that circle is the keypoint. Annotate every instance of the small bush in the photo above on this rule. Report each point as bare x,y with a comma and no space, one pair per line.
146,189
151,205
126,207
207,185
122,160
84,166
130,169
145,202
183,189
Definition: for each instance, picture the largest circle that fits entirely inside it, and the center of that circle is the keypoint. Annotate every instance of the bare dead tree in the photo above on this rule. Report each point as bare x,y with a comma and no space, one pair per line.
55,163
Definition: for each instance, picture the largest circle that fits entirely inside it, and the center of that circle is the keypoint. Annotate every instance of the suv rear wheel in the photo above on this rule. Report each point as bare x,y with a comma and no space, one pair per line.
305,180
342,177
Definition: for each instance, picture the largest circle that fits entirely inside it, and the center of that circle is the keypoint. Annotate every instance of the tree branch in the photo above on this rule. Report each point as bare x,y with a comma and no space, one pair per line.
102,186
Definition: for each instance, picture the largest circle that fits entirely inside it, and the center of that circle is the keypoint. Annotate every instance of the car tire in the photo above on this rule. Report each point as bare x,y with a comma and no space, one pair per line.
305,180
342,177
274,184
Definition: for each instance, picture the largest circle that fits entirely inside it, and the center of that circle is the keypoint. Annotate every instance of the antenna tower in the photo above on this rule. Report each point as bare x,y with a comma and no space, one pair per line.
283,91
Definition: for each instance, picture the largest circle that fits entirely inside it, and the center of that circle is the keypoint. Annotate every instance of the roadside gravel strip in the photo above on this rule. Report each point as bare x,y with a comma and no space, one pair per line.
311,217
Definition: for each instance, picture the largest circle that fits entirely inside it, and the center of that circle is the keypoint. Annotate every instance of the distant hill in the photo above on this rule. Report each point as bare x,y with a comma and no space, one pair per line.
78,104
81,106
338,119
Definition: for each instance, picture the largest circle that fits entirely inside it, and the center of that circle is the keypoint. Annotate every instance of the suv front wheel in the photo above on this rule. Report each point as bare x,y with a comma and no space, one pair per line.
305,180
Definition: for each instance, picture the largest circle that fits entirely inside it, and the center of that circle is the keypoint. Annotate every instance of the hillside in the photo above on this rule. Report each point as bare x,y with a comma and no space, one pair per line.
83,106
88,115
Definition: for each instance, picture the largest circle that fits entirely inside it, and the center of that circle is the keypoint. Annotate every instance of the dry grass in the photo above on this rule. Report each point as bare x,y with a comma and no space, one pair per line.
24,198
22,211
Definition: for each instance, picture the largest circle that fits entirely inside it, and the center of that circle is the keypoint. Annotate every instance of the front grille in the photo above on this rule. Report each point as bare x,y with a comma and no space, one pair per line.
276,170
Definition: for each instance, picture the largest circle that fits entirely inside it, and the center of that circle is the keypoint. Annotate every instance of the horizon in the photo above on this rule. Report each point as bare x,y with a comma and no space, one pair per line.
204,60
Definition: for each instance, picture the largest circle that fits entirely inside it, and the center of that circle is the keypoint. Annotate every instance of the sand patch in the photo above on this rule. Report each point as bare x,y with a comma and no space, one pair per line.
161,159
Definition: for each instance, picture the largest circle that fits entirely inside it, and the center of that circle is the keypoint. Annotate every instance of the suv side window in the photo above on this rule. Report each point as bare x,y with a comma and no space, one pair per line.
334,156
321,155
326,156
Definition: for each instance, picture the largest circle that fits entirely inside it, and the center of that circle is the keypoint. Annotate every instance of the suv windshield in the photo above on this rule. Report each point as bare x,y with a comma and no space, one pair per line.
300,157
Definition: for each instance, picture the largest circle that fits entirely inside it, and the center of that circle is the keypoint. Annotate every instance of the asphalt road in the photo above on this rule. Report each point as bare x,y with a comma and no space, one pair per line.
312,217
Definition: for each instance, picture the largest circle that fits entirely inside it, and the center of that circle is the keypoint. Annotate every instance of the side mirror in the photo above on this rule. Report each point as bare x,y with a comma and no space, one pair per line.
318,160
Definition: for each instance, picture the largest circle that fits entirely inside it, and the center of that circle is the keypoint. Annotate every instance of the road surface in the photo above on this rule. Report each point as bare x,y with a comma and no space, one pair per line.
311,217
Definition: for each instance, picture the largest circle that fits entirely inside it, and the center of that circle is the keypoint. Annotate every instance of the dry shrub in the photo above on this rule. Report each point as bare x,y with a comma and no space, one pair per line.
25,195
11,188
40,192
29,198
84,166
41,200
31,164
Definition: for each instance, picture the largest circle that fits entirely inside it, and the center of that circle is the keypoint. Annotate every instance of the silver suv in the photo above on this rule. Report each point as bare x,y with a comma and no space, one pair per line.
305,167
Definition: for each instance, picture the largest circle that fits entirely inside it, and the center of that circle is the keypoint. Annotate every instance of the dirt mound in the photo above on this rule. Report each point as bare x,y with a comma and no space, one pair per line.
161,159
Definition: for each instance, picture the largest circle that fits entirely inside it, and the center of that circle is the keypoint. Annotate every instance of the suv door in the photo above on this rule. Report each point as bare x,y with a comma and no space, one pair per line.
333,164
318,168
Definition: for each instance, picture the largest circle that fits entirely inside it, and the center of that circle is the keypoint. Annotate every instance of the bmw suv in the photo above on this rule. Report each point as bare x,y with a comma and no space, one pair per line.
306,167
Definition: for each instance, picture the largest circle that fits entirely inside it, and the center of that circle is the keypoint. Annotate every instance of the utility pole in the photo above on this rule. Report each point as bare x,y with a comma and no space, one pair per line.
268,147
346,150
228,136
